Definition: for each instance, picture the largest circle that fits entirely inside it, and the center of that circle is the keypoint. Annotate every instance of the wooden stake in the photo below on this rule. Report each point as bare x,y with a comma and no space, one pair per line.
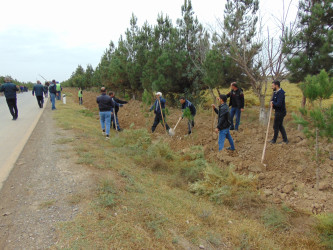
269,122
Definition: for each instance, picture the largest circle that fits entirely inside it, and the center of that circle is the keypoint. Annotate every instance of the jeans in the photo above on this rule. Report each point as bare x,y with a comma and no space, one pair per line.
114,120
225,133
158,119
40,101
58,95
278,126
105,119
53,95
233,112
11,102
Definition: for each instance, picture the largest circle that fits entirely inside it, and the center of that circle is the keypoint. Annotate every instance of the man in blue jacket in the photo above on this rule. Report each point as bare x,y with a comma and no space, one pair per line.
10,90
187,104
279,104
39,91
223,124
158,116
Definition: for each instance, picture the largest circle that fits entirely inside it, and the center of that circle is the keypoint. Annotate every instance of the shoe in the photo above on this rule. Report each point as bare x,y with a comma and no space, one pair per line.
230,149
120,129
14,119
192,124
286,142
103,133
272,142
232,128
107,137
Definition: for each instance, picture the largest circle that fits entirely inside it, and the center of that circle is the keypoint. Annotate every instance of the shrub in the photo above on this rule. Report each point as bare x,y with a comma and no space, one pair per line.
276,219
325,228
224,186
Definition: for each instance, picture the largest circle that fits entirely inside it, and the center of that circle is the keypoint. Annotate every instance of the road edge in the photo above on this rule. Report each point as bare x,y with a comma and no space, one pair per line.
10,163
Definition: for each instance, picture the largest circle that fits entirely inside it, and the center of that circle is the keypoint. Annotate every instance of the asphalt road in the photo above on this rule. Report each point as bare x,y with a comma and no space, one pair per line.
15,134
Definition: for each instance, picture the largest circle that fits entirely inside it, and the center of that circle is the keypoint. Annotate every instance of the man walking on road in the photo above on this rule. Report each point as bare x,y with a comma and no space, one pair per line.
53,92
158,113
116,104
223,124
10,90
39,91
105,108
46,89
186,104
278,103
237,105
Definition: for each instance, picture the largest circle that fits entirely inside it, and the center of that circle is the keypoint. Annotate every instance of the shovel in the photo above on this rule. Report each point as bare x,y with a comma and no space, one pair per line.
172,131
264,150
162,115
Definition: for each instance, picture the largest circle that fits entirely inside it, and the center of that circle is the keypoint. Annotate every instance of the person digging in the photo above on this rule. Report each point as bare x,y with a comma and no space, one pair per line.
159,110
223,125
189,111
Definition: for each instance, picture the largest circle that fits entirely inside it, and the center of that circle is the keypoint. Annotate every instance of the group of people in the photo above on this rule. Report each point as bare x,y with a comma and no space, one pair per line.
40,91
108,106
108,111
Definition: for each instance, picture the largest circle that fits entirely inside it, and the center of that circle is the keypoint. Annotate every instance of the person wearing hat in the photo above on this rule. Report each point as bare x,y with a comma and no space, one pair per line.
10,90
39,91
157,110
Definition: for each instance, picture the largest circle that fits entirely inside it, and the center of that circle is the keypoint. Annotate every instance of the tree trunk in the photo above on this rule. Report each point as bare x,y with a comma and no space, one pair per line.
300,127
218,91
317,161
212,95
263,116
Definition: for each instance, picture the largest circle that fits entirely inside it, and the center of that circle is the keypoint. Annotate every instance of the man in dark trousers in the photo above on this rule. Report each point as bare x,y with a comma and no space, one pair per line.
223,125
157,110
236,96
46,89
279,104
187,104
117,103
39,91
105,108
10,90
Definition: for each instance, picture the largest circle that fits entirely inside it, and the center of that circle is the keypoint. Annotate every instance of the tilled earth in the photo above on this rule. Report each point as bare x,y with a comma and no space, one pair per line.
289,172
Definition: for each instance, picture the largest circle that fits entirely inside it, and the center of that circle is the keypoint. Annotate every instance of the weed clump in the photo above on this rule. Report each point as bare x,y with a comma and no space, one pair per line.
276,219
325,228
107,194
224,186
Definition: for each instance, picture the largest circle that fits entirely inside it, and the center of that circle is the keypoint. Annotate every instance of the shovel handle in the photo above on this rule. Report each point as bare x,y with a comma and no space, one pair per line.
177,123
269,122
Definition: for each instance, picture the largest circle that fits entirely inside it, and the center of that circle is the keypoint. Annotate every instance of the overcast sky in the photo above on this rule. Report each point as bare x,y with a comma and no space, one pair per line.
50,38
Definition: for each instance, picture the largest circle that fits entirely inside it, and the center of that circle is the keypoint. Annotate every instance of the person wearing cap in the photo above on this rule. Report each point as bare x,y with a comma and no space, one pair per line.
53,92
236,103
105,109
157,110
223,125
59,89
278,103
10,90
39,91
187,104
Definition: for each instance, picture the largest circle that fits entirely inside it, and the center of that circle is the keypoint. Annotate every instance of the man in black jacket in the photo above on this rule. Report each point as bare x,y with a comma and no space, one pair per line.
53,92
105,108
116,103
39,91
223,125
187,104
10,90
237,104
279,104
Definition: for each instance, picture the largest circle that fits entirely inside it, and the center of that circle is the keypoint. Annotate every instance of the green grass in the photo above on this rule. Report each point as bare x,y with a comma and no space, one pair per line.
143,200
325,228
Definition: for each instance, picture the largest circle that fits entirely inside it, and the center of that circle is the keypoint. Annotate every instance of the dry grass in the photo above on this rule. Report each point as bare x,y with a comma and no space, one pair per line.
144,203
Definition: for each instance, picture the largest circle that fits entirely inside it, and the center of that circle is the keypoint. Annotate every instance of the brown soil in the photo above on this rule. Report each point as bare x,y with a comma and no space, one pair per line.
289,174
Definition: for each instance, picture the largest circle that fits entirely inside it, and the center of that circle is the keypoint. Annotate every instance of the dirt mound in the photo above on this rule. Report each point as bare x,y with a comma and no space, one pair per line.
289,175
